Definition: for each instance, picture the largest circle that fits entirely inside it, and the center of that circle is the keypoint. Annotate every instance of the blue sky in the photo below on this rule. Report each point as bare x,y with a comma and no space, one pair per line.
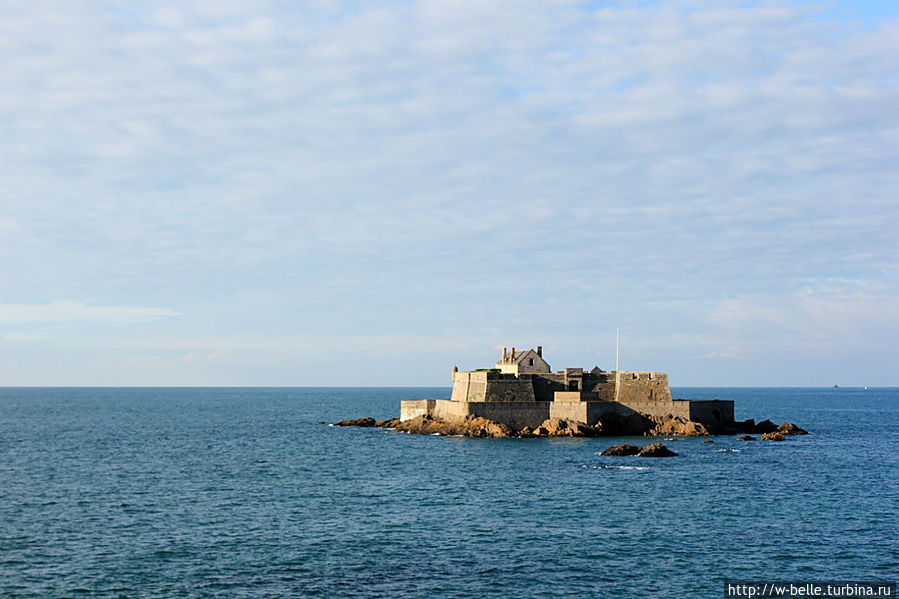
344,193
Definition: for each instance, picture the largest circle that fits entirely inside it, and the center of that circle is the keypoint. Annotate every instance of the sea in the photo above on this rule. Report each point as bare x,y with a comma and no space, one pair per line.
248,492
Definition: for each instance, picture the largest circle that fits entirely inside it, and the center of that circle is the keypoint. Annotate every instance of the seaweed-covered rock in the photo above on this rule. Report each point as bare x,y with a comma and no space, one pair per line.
746,438
364,421
775,436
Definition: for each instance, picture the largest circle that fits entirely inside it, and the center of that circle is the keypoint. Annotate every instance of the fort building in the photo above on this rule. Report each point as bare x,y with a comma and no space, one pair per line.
521,390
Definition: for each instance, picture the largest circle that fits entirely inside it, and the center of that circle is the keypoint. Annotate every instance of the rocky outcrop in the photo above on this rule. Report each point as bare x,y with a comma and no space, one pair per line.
620,450
788,428
632,424
765,426
742,426
469,427
558,427
773,436
364,421
655,450
677,426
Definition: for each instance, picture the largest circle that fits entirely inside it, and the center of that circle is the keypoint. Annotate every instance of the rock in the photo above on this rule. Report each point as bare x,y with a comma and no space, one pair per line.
678,426
765,426
619,450
788,428
420,425
627,424
555,427
579,429
746,438
559,427
746,426
364,421
775,436
708,441
482,427
469,427
390,423
655,450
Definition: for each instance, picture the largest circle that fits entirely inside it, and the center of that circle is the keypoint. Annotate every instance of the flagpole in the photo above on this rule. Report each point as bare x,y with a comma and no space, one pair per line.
617,353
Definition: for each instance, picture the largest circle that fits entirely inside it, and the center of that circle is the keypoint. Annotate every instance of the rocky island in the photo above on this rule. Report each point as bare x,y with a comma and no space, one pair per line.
522,397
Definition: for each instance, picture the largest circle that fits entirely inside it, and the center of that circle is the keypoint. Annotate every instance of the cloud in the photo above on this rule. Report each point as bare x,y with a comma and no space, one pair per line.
423,168
214,355
78,313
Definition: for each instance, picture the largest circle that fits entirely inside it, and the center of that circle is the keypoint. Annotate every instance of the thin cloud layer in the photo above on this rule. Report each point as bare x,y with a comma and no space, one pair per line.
456,172
78,312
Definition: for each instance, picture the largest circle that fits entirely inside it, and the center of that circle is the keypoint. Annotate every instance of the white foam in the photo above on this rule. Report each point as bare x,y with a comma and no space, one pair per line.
609,467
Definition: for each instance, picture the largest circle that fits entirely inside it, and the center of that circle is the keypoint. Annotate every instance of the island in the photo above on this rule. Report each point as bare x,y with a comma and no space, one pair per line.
522,396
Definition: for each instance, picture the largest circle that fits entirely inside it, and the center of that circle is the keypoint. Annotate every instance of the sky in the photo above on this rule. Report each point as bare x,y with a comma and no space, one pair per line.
367,193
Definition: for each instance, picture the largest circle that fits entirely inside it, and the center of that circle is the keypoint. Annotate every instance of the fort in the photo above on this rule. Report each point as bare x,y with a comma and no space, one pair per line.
521,391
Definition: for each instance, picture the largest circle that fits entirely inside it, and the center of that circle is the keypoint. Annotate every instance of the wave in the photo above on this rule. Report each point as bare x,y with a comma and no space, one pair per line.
613,467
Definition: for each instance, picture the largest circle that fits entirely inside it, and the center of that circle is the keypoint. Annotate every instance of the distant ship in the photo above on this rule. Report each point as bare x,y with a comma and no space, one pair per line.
836,386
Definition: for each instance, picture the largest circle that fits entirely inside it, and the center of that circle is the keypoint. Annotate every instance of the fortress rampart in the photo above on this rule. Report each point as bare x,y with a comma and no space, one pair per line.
522,391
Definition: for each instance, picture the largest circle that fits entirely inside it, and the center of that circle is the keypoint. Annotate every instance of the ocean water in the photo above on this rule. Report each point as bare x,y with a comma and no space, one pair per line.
187,492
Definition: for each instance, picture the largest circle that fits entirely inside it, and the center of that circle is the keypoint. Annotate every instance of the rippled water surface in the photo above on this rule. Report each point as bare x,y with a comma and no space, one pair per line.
190,492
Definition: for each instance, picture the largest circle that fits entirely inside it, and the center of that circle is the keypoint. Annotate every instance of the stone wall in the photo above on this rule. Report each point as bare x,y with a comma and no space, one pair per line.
570,410
636,386
546,386
648,386
518,414
494,386
469,386
451,410
412,408
714,411
510,389
515,414
660,409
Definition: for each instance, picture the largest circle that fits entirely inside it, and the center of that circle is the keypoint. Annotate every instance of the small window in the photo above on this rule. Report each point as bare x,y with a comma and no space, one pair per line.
530,361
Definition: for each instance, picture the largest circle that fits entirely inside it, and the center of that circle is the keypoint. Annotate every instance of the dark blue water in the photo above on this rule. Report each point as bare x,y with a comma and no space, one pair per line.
241,493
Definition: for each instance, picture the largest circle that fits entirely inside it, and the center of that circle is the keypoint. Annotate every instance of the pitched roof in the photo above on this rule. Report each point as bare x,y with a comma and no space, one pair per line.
520,356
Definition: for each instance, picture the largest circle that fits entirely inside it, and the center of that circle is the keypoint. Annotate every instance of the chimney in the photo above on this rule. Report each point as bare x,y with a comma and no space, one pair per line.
512,356
540,350
504,354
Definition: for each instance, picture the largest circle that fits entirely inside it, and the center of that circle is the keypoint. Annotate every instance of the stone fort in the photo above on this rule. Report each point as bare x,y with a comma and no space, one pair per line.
521,390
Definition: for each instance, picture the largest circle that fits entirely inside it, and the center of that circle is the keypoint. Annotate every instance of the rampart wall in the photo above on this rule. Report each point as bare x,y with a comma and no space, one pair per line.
529,399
